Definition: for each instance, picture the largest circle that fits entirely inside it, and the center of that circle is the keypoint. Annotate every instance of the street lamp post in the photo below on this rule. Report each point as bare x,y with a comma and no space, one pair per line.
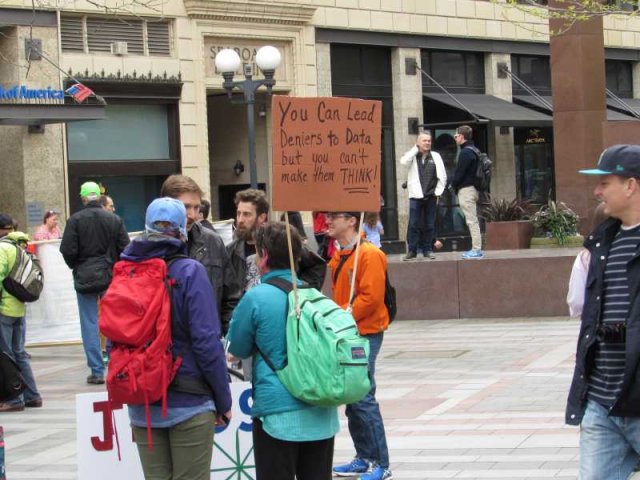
228,61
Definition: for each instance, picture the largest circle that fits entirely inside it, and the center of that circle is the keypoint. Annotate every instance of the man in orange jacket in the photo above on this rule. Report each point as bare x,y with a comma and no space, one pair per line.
365,421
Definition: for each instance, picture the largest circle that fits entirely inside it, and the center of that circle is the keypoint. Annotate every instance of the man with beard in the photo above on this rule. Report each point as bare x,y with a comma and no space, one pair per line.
206,246
252,210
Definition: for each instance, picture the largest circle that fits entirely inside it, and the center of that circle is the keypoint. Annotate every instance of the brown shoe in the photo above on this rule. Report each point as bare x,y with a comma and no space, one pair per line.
35,403
95,380
11,407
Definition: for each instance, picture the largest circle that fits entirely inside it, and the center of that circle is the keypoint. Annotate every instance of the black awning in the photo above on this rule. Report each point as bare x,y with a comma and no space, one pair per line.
34,114
534,102
493,109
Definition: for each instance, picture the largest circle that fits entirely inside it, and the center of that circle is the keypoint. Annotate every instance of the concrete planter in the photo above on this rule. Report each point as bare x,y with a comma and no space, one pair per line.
546,242
508,235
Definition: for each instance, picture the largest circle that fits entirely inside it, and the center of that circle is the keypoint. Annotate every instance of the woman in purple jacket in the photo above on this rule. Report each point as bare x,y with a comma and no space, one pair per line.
200,399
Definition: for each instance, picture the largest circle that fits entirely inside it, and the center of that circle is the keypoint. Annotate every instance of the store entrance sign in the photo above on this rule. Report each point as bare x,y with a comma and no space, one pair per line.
22,92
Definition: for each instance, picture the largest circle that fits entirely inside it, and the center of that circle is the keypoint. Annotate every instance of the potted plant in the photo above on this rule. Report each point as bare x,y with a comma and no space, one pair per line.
555,226
507,225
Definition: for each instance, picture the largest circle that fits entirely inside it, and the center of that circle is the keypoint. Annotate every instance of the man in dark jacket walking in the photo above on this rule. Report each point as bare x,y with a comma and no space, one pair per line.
92,242
604,398
206,246
464,181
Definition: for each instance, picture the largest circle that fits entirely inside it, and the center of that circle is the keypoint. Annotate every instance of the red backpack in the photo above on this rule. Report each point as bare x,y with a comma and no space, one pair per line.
135,314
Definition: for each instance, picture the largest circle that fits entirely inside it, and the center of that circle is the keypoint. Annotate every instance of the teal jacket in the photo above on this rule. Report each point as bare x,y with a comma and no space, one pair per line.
10,306
259,323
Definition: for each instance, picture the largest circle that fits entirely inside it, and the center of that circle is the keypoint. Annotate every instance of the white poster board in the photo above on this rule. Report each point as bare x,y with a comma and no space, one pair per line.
97,451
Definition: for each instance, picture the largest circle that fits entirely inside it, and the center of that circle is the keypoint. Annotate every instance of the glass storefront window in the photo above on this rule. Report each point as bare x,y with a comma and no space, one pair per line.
534,164
130,132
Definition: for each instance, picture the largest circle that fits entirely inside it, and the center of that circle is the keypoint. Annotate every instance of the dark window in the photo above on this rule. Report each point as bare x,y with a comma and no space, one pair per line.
361,71
532,70
461,72
627,5
619,77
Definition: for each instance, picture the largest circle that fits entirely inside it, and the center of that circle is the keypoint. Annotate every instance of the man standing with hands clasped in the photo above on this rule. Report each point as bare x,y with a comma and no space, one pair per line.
426,181
604,398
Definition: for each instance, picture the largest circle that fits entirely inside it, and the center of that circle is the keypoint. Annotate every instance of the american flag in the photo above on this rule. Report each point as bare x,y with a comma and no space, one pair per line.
79,92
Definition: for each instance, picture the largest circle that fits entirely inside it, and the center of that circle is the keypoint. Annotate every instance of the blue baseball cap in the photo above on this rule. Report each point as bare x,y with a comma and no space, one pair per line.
621,160
168,210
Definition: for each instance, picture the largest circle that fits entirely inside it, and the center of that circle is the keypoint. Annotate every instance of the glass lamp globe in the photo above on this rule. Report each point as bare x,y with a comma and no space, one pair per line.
227,61
268,58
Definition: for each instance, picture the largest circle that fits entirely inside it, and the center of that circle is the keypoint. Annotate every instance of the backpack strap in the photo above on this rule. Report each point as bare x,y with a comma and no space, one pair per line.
287,287
184,383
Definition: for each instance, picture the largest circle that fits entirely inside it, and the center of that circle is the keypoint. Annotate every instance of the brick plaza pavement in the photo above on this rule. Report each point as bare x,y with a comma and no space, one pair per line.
467,399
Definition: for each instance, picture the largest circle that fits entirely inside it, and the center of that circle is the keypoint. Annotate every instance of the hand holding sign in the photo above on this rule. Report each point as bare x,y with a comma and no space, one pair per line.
326,154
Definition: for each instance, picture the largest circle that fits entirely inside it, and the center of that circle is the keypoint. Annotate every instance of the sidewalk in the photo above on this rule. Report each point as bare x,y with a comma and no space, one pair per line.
467,399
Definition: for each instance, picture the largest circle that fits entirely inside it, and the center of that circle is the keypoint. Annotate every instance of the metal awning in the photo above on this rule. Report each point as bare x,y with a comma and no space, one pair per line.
40,114
493,109
534,102
634,103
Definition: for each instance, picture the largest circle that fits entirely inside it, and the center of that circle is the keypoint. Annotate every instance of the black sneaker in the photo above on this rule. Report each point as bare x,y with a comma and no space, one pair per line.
409,256
95,380
429,255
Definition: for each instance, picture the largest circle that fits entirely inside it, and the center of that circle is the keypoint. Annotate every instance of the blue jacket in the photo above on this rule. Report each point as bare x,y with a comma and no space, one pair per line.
259,323
465,175
195,325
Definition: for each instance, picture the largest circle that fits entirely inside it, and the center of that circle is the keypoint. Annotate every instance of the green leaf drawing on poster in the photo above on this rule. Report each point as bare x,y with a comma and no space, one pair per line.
239,468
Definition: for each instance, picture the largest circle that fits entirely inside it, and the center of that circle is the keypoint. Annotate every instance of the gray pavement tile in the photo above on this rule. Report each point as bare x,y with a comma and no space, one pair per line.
494,411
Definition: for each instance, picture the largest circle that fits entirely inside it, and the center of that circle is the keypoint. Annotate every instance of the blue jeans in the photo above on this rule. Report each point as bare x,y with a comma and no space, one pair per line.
365,422
422,221
609,446
88,309
12,342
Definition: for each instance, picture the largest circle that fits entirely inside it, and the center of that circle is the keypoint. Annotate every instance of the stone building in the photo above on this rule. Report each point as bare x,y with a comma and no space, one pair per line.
166,110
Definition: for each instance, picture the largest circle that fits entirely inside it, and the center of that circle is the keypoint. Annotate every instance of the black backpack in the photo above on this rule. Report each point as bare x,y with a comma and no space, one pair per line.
25,280
483,170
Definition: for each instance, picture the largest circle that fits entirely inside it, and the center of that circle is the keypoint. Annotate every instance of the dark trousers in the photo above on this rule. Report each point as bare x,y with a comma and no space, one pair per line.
281,460
422,221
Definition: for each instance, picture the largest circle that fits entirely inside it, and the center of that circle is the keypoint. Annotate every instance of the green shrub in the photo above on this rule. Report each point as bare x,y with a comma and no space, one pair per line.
501,210
556,220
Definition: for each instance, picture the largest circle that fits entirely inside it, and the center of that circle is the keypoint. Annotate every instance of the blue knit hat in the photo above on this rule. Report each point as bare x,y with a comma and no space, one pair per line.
166,210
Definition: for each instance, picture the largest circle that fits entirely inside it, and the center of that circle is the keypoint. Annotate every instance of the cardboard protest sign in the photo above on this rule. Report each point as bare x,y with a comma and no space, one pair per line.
326,154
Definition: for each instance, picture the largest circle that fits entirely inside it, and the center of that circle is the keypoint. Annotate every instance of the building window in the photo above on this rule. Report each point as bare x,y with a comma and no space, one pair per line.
532,70
626,5
619,77
93,34
118,137
461,72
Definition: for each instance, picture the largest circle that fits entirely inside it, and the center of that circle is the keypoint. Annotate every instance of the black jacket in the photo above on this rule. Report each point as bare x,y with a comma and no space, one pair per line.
93,232
628,404
465,174
207,247
311,269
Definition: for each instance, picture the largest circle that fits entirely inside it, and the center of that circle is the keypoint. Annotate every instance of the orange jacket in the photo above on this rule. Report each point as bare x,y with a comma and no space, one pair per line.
368,308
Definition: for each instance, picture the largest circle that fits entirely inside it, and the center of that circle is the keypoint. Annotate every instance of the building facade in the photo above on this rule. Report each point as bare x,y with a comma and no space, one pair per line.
167,112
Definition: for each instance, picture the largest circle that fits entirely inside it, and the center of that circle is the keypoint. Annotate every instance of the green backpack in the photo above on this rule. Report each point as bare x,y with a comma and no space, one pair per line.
327,359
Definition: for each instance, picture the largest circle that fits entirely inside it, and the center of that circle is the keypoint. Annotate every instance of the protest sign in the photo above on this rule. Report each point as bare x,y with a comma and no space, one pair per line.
97,449
326,154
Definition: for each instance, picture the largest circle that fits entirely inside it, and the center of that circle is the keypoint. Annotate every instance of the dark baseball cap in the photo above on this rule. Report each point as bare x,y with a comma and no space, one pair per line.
6,222
621,160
